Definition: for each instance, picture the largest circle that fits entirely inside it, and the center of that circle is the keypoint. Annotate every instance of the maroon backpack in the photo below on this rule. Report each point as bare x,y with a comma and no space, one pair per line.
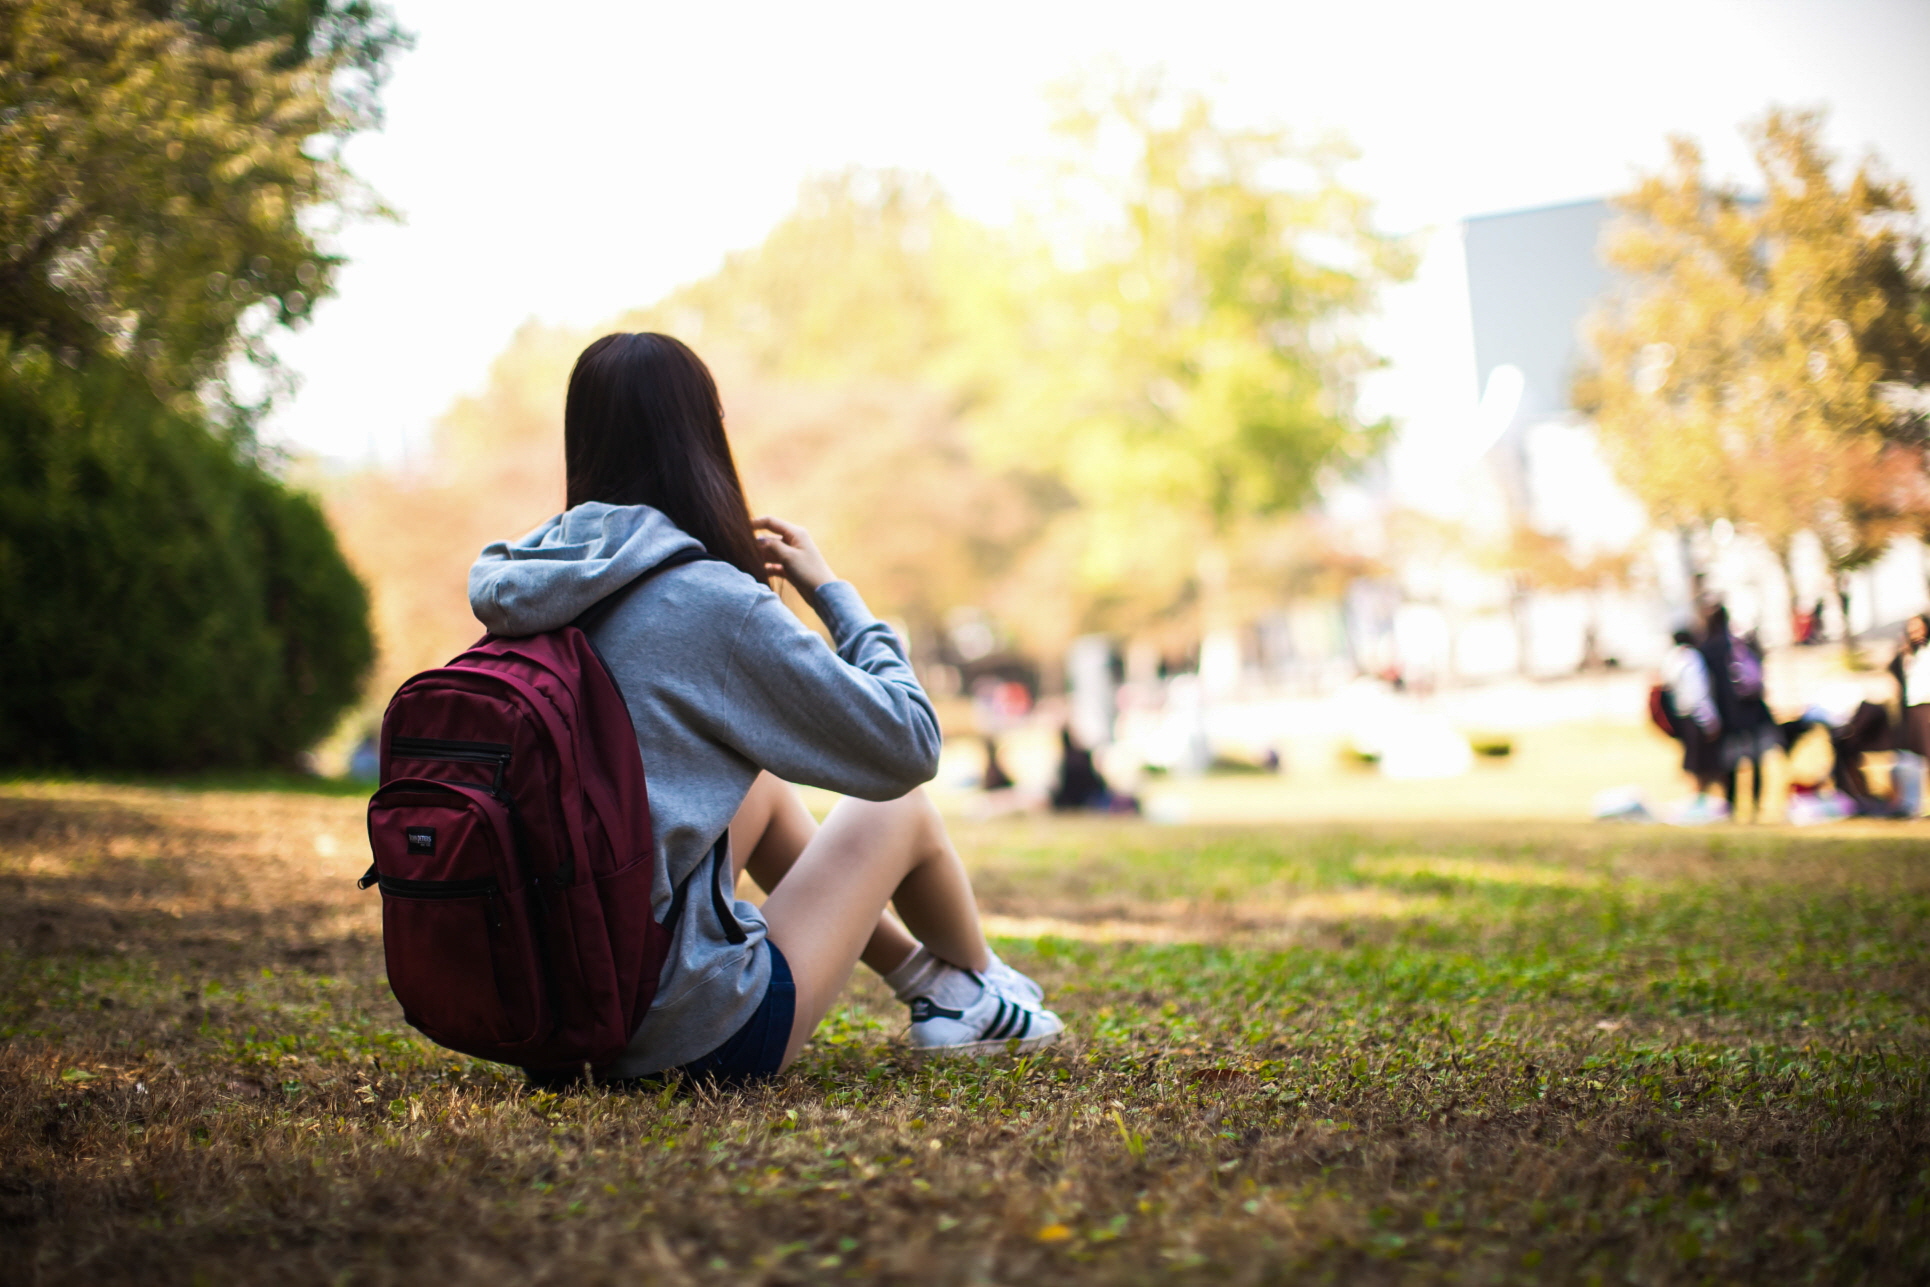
513,849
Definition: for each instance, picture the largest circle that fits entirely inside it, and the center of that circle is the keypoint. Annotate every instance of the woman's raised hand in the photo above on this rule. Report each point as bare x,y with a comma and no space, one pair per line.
790,552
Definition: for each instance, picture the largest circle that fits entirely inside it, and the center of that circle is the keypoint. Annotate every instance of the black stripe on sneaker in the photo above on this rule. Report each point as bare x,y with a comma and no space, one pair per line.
991,1032
1025,1024
923,1008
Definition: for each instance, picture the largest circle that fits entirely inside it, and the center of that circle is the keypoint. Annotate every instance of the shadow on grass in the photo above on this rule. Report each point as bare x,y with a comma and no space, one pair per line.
281,781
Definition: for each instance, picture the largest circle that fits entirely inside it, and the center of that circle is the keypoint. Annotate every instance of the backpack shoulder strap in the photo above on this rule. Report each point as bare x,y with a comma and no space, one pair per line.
596,612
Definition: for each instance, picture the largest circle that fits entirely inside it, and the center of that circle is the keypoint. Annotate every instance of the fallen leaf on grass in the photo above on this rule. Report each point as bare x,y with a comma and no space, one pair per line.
1053,1233
77,1074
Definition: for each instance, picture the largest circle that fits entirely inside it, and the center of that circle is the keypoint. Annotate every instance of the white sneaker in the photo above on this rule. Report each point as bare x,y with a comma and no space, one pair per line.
1012,985
991,1025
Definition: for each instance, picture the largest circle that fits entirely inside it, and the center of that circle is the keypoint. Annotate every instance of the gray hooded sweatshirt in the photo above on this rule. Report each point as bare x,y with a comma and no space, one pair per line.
721,681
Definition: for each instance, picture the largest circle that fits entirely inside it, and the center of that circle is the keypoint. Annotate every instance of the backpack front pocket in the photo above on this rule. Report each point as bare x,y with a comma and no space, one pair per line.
456,926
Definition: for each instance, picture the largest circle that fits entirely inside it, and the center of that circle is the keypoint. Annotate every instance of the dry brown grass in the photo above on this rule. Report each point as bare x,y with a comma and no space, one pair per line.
1463,1054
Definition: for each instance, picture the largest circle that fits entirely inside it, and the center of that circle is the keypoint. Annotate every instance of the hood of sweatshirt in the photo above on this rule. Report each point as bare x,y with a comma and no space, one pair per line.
558,572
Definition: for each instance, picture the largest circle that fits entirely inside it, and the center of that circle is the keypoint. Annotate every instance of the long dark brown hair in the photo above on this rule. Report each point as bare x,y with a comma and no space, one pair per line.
643,425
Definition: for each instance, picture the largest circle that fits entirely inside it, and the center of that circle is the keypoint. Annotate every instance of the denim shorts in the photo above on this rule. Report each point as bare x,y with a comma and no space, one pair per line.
756,1051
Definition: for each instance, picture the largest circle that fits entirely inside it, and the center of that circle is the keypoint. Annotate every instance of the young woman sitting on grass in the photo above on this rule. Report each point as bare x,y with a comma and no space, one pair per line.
732,697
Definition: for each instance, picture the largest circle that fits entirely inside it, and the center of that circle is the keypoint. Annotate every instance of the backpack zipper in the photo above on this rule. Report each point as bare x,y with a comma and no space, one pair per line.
443,748
496,753
438,889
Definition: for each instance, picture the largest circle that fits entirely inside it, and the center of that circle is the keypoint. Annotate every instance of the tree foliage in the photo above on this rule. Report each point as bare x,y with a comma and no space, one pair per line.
162,166
169,605
851,347
1190,376
872,276
1181,377
355,38
965,415
156,164
495,469
1749,372
1211,353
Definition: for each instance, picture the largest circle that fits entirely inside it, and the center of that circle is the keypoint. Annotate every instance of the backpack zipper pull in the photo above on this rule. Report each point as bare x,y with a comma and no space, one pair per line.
369,877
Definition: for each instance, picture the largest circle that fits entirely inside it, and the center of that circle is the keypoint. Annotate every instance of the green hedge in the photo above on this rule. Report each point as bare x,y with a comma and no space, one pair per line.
164,602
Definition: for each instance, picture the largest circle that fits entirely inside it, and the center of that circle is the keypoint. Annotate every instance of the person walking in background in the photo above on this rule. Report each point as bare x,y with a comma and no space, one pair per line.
1691,709
1748,730
1911,666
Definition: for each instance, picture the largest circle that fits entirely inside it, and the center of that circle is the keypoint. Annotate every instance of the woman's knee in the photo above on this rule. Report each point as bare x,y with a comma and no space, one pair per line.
912,818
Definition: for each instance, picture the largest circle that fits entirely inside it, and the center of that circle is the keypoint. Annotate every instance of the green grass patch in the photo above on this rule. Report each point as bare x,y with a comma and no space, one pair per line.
1454,1054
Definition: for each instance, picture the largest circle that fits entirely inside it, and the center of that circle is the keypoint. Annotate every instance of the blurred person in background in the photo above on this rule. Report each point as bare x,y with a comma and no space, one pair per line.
994,778
1809,625
1080,785
1911,666
1690,706
658,560
1855,727
1749,731
998,705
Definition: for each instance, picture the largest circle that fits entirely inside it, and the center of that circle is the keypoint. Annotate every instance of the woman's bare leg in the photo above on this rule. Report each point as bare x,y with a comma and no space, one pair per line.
827,907
768,833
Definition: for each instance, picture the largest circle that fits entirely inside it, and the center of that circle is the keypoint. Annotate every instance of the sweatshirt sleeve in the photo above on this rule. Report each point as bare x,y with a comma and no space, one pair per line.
855,721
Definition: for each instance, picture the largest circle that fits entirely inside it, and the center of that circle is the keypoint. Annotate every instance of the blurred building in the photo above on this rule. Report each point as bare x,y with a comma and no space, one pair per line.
1450,610
1534,278
1533,275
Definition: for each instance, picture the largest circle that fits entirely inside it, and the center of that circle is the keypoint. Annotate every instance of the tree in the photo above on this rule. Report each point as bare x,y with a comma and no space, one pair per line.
963,419
159,176
1747,371
1193,383
162,163
851,346
870,277
495,469
169,604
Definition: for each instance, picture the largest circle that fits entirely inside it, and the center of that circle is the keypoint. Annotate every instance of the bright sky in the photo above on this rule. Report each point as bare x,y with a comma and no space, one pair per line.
570,160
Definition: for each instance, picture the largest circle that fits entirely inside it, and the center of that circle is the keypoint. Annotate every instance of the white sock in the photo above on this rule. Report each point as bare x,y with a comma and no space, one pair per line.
924,975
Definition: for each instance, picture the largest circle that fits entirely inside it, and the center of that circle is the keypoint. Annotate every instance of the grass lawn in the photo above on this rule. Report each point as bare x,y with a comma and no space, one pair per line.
1393,1051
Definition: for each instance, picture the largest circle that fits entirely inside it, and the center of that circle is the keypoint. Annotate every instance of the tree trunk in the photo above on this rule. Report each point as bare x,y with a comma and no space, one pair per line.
1842,582
1524,632
1786,557
1692,573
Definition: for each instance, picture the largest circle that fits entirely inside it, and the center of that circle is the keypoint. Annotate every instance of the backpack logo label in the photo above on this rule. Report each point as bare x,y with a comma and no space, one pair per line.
422,840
